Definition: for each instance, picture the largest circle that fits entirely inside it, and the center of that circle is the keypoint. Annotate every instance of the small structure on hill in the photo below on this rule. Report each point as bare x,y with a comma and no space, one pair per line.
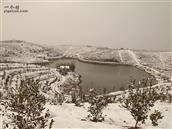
64,67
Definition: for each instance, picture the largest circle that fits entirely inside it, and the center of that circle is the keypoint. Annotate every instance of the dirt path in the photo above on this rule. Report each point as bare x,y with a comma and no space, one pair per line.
133,56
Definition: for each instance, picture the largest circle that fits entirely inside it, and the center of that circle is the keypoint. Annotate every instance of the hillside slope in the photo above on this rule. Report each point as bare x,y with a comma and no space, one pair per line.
20,51
53,83
156,62
115,117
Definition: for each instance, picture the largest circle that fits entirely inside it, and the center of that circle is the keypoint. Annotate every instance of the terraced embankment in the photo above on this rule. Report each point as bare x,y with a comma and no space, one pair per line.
50,80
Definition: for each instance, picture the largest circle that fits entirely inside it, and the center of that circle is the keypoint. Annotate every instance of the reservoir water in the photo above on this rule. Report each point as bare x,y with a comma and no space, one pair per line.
100,76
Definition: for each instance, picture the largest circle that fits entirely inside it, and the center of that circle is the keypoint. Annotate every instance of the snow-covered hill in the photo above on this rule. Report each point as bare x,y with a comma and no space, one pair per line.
125,56
156,62
21,51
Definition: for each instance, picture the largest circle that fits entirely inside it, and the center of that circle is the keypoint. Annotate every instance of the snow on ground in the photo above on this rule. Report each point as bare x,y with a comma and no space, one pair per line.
134,57
21,51
69,116
159,61
120,55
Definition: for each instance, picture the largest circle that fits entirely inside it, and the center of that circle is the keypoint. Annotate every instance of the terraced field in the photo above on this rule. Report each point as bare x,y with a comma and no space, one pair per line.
50,80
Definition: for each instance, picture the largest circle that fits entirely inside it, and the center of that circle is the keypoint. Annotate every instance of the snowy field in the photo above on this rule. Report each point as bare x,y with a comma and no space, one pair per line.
70,116
53,83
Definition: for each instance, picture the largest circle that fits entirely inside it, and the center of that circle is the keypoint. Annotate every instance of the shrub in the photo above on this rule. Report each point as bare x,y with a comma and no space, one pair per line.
63,72
154,117
122,88
164,94
139,99
72,67
97,104
26,106
78,102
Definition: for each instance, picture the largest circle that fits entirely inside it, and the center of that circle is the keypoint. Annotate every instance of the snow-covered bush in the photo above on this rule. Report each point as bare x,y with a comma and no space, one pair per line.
164,94
58,99
78,102
139,99
26,106
97,104
154,117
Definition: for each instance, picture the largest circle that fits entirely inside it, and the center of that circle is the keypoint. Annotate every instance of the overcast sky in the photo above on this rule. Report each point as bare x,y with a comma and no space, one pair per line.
138,25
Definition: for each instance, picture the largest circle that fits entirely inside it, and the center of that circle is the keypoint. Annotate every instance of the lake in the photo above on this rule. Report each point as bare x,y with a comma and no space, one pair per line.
100,76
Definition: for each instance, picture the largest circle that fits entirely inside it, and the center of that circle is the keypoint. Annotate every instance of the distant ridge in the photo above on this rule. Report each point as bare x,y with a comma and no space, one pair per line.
20,51
20,41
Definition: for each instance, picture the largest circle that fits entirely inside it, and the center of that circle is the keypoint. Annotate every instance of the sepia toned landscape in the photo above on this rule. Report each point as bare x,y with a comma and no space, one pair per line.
66,102
85,64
